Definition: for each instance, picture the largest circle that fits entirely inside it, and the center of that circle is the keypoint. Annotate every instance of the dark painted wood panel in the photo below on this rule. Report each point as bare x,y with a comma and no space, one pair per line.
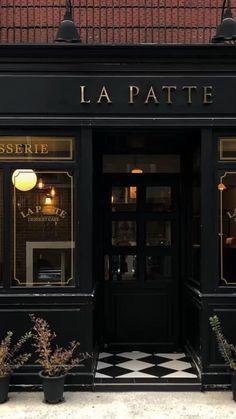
192,323
215,370
145,317
69,324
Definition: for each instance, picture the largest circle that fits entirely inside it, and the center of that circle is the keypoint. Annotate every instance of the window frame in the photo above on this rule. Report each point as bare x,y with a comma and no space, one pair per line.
7,168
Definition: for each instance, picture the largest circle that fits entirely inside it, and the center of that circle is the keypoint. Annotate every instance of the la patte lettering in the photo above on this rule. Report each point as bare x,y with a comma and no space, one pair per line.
157,95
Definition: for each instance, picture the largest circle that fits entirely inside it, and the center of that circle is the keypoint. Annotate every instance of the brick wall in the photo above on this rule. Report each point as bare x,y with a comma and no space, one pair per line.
113,21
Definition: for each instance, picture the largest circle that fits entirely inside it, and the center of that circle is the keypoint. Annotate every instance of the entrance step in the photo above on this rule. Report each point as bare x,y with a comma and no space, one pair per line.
135,370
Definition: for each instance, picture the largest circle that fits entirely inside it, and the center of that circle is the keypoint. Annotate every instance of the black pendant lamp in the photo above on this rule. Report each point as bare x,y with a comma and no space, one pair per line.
226,31
67,31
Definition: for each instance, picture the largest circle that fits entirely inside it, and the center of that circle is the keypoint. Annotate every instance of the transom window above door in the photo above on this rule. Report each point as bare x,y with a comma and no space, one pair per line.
141,163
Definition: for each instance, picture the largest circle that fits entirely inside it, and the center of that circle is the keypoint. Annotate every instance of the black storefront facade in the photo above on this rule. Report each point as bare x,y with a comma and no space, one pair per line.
125,238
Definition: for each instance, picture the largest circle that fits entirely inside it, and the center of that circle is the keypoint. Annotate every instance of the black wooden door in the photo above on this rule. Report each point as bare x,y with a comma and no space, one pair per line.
141,261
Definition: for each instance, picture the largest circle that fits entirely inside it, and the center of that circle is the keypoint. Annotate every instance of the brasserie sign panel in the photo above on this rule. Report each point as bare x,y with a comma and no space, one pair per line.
36,148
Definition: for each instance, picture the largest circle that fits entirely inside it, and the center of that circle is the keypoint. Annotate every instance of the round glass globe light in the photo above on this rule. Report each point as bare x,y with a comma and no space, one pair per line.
24,179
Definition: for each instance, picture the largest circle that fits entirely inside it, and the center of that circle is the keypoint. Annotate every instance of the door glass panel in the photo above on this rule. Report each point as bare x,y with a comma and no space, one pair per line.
158,266
123,198
120,267
158,233
123,233
158,198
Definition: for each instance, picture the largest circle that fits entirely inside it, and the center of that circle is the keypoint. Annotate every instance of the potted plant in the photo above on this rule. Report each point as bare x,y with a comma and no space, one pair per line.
55,361
10,359
227,350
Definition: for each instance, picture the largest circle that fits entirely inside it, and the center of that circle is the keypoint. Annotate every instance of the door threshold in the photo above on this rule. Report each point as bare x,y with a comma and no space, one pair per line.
143,371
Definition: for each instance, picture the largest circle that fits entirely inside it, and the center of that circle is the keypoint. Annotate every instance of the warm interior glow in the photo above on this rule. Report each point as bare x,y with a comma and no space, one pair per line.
133,189
24,179
40,184
221,187
136,170
48,200
53,192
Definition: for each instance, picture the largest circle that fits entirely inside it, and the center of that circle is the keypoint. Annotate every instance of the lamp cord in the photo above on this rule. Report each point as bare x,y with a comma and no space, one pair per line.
69,6
223,8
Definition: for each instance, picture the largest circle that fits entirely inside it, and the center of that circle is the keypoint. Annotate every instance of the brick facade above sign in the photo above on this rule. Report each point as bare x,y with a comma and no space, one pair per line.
113,21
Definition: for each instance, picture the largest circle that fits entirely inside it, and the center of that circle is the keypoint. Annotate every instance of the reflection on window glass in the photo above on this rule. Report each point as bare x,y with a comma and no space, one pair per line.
120,267
123,198
158,198
123,233
227,236
1,227
158,266
158,233
43,250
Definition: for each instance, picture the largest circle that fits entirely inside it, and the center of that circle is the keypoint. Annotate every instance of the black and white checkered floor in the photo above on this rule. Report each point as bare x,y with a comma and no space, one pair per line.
147,368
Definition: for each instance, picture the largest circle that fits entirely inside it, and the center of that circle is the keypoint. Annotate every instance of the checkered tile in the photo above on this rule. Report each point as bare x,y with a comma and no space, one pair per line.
136,364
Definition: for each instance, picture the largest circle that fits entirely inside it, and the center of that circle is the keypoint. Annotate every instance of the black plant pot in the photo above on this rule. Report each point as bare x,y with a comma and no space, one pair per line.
233,381
53,388
4,388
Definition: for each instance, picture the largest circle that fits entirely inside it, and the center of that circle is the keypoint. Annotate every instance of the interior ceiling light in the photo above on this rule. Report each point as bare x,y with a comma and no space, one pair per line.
24,179
136,170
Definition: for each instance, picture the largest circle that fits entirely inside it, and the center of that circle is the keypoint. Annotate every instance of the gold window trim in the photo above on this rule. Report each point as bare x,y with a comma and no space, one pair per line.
221,140
70,141
27,282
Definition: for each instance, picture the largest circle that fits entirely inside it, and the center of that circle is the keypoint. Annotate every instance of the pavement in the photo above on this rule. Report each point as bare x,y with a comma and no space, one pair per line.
122,405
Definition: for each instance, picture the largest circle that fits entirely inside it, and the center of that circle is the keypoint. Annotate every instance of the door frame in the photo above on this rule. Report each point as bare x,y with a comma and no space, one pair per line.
153,179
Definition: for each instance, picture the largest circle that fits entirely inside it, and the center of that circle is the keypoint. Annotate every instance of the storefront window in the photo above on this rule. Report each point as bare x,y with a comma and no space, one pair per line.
43,236
1,228
227,226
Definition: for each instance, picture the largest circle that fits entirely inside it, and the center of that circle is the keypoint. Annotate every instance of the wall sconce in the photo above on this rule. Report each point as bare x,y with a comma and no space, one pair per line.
221,187
47,197
24,179
48,207
40,184
48,200
53,192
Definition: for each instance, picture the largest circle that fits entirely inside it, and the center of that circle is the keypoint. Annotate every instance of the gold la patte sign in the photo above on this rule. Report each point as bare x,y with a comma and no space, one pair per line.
20,148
